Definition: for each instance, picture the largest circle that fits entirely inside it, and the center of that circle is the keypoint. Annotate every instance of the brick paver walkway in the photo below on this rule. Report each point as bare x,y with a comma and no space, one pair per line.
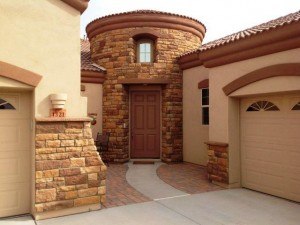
118,191
186,177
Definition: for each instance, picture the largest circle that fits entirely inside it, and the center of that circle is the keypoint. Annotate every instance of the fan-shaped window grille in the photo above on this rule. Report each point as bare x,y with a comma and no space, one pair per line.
262,106
297,106
5,105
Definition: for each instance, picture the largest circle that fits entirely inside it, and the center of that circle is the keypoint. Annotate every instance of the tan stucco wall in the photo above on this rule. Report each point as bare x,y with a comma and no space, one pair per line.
224,111
6,83
194,133
43,37
279,84
94,94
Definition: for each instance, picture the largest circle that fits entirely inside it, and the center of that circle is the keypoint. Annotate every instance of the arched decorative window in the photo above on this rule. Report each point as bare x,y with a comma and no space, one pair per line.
5,105
297,106
145,51
145,40
262,106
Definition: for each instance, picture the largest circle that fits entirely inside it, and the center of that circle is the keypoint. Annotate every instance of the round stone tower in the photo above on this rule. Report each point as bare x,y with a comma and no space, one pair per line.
142,92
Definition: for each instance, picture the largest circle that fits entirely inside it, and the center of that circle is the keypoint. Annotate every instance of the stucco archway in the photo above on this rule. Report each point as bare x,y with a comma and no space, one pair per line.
287,69
19,74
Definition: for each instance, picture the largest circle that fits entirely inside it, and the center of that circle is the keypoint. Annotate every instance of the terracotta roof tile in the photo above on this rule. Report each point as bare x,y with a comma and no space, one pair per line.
271,25
146,11
86,61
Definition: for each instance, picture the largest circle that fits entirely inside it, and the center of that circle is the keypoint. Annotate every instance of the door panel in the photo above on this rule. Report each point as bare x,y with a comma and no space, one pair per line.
145,124
270,149
15,155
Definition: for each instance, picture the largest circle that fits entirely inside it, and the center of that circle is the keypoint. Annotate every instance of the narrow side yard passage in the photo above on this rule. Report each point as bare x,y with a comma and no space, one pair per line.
187,177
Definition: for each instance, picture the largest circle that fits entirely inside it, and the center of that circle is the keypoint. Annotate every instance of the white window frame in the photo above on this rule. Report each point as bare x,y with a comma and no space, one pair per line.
145,41
204,106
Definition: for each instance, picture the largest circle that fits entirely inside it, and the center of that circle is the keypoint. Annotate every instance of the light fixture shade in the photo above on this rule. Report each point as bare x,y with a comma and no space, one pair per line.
58,100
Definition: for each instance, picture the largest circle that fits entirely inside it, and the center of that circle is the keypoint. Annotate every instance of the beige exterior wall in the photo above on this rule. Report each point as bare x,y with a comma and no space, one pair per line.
43,37
6,83
279,84
94,94
224,111
194,133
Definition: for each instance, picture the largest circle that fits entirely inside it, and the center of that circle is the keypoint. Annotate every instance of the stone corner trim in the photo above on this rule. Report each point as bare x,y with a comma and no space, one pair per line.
218,162
68,170
19,74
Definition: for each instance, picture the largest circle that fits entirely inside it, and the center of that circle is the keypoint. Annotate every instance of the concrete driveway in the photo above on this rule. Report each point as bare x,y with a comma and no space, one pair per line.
226,207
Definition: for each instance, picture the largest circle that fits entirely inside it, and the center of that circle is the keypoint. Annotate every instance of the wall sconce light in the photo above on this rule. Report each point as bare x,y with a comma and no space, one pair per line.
58,101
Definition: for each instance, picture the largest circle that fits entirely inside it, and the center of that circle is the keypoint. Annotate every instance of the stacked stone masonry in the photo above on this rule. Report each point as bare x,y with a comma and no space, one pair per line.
116,51
68,169
217,166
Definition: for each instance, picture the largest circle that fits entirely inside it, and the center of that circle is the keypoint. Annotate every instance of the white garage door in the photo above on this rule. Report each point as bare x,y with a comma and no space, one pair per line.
270,145
15,153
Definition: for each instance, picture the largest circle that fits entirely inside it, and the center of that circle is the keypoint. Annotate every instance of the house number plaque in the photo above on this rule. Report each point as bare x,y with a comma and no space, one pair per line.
57,112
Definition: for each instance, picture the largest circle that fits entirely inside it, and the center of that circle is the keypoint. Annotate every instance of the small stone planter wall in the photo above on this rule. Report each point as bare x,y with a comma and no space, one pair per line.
218,162
68,170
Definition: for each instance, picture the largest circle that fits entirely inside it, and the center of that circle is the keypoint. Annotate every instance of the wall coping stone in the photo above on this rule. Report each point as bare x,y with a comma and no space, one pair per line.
62,119
215,143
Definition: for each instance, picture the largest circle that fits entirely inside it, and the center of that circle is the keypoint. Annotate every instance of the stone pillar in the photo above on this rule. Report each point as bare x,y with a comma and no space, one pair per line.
69,172
218,163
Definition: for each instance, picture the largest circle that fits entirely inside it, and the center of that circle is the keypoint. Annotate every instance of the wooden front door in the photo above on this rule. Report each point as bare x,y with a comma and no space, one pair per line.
145,124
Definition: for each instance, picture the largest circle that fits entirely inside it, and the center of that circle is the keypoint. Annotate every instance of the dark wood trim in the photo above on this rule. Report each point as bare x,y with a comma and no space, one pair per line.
269,42
92,77
143,81
145,20
80,5
288,69
203,84
215,143
19,74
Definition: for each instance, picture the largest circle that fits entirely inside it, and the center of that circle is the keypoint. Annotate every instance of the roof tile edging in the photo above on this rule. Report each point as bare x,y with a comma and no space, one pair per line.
190,59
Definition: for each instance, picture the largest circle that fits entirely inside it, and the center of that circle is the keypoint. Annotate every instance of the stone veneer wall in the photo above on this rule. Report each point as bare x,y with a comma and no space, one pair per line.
217,166
69,171
115,50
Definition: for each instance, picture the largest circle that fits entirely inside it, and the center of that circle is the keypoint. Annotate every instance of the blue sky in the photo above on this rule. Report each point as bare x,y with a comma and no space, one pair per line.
221,17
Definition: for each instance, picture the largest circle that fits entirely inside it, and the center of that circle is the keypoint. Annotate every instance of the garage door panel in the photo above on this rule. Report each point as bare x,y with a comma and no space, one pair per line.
260,166
270,152
264,181
15,134
12,199
263,154
294,159
12,168
15,155
261,139
256,128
